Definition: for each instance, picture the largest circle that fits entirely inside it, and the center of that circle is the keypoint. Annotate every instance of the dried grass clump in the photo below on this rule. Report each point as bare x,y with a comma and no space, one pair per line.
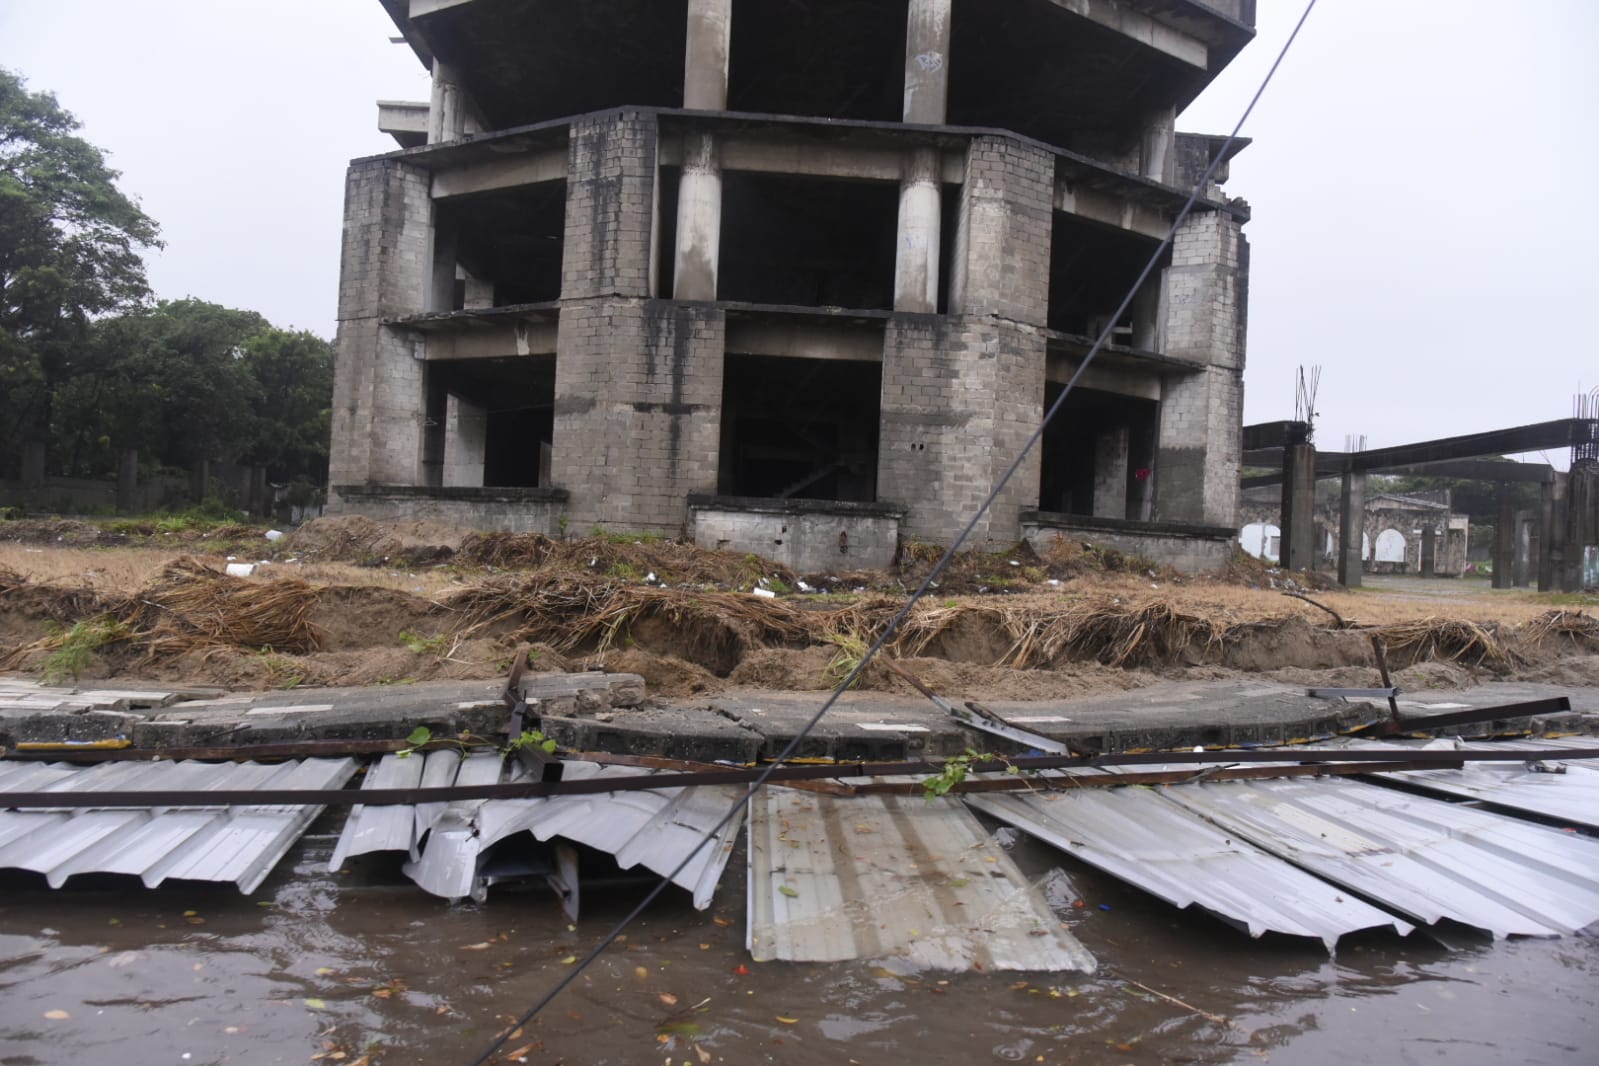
1452,640
193,605
1113,634
10,579
1573,627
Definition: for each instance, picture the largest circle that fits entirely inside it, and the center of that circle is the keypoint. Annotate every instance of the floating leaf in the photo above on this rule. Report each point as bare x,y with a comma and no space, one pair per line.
520,1054
668,999
57,1015
787,1021
641,972
787,891
723,922
315,1004
482,945
569,960
323,971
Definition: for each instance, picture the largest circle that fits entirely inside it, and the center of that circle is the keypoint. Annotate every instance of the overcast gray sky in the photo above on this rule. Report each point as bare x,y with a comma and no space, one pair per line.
1421,178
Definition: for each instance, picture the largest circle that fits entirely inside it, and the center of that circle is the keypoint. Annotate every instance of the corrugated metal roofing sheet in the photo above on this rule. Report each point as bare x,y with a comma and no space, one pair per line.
239,844
1427,859
887,876
1571,797
655,829
1137,835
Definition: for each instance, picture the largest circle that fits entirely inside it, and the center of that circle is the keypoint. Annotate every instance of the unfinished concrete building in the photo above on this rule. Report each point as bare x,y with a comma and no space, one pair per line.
797,278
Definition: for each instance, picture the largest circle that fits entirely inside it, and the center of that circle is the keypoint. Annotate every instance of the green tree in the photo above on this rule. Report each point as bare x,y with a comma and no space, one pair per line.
292,375
173,382
70,251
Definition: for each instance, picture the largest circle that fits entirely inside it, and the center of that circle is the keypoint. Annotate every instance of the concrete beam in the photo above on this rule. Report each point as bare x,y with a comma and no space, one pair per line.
804,340
492,340
1129,22
1096,205
1059,369
423,8
832,161
396,117
508,173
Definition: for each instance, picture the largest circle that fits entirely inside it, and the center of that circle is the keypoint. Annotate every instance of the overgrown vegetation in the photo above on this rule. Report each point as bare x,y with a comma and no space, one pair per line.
72,649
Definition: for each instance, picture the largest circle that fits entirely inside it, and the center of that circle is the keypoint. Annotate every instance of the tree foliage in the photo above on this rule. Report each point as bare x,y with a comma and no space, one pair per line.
90,368
70,250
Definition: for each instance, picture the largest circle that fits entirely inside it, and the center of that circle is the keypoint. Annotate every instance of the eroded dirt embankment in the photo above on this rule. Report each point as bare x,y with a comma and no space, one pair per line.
331,607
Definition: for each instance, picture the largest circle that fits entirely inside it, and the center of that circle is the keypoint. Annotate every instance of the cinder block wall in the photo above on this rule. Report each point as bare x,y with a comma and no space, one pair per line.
378,400
638,400
1204,309
962,392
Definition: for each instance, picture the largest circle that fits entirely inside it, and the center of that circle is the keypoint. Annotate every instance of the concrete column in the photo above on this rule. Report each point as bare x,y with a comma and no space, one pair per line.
1146,313
378,399
1546,538
465,443
1429,551
710,31
1299,508
441,279
920,219
200,480
699,220
128,480
638,410
433,427
610,206
1158,157
479,294
447,110
1582,503
927,62
960,396
1504,541
1110,474
1351,529
1004,227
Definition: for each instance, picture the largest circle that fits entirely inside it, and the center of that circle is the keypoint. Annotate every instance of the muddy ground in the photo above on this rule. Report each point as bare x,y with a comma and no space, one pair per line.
347,601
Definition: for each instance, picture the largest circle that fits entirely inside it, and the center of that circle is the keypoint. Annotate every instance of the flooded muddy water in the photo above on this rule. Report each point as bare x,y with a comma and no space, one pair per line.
363,969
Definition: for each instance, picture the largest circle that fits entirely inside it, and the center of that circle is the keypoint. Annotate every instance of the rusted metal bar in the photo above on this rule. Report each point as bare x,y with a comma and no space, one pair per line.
1015,783
1381,652
733,776
1422,723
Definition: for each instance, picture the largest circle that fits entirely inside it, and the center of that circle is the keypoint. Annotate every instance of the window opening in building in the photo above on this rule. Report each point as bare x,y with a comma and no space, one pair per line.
828,58
490,422
507,245
1097,455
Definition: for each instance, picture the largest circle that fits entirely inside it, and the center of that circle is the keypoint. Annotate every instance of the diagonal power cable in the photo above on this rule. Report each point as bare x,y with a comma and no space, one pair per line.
928,582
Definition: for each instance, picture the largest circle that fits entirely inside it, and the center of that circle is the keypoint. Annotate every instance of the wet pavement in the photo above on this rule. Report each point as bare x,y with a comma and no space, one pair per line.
363,969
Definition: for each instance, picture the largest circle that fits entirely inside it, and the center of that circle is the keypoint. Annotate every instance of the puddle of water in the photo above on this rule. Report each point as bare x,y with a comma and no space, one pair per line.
366,965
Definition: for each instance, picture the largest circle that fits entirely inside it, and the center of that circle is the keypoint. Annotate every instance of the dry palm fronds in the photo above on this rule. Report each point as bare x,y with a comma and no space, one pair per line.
193,605
10,579
1114,634
1469,643
1575,627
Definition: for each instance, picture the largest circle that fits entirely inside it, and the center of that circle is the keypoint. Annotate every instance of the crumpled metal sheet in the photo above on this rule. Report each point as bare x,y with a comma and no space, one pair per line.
240,844
891,877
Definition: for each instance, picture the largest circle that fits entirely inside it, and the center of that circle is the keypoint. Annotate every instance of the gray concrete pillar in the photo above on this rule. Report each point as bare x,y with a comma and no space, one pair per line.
1582,521
1504,541
1526,550
630,371
699,220
705,59
433,427
1429,551
441,277
447,110
465,443
1351,529
1158,157
927,29
610,206
1146,313
378,398
128,480
1298,508
1110,473
200,480
479,294
1003,232
920,221
959,398
1546,538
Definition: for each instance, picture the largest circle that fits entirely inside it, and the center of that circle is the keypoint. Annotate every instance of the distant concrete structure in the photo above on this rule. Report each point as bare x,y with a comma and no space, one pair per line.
797,279
1398,533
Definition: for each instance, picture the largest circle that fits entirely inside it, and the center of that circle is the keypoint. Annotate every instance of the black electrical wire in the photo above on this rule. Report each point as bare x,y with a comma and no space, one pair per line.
928,582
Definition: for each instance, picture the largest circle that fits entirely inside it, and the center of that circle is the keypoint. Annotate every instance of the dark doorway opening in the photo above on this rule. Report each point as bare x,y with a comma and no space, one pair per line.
1097,454
800,428
490,422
